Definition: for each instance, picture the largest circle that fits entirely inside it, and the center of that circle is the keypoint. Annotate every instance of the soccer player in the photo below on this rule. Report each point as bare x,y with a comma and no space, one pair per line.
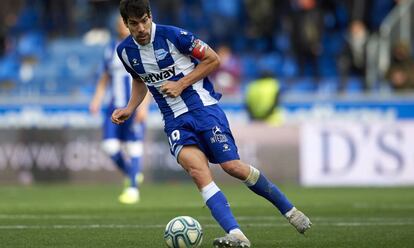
173,64
128,136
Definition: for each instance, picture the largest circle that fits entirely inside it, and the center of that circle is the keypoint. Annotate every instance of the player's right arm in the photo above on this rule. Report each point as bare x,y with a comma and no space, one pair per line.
138,92
97,99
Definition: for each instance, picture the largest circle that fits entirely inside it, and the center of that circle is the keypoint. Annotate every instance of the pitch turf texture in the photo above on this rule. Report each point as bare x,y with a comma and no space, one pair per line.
62,216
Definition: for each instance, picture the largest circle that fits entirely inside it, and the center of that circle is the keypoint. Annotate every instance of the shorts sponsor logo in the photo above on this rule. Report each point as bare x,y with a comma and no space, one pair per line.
218,137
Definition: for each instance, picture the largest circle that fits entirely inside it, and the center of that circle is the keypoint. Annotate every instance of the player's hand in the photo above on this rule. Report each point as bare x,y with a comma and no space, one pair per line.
94,107
172,89
119,116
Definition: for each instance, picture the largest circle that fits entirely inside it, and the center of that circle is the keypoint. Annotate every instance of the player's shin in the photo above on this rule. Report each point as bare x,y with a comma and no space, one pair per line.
135,151
260,185
219,207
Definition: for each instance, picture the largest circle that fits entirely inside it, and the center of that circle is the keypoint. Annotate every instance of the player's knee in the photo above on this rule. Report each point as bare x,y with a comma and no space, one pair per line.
111,146
236,168
195,173
135,148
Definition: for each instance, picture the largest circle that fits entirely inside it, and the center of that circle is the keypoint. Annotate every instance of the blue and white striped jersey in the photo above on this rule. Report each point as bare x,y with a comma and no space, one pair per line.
120,80
167,57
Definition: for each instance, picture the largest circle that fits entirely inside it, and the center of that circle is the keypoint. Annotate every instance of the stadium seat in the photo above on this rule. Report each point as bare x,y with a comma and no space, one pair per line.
281,42
354,85
328,86
289,67
250,68
303,85
271,62
31,45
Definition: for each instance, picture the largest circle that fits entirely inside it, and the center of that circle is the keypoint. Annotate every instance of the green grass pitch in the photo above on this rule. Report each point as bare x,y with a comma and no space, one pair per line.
63,216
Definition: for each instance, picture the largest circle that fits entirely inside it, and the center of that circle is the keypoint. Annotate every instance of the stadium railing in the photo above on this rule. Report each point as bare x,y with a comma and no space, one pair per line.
397,26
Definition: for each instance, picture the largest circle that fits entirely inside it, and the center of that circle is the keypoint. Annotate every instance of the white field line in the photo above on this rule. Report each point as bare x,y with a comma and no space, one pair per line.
384,206
47,217
266,218
116,226
270,221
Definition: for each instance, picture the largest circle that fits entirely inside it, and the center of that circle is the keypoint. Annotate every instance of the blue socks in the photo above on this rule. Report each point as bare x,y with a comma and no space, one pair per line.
271,192
135,168
130,169
120,162
258,183
219,207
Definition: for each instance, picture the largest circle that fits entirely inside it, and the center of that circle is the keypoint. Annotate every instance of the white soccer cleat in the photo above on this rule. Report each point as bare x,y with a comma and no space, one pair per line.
299,220
232,240
129,196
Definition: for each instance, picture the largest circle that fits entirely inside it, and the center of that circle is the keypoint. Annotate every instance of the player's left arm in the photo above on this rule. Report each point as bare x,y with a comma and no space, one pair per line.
209,62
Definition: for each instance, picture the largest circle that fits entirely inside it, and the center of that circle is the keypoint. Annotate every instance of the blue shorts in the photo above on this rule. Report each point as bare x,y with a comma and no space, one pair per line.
127,131
207,128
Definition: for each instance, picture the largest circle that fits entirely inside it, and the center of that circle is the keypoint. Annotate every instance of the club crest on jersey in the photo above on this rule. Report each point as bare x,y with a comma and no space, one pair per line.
160,54
157,77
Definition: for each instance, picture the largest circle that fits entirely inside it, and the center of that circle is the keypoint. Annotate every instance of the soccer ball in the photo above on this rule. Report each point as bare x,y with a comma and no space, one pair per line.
183,232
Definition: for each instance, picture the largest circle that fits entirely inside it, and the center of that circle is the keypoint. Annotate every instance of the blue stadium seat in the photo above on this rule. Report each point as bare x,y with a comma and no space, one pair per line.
9,67
271,62
289,67
354,85
327,66
328,86
281,42
250,68
302,85
31,44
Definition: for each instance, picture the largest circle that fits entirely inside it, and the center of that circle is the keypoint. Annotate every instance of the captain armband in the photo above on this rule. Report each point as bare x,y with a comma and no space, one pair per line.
199,50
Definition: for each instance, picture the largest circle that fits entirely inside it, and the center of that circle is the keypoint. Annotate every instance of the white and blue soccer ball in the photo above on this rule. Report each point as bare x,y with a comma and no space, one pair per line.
183,232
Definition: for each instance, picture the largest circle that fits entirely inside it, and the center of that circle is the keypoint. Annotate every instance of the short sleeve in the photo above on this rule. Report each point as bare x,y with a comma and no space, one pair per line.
122,56
184,40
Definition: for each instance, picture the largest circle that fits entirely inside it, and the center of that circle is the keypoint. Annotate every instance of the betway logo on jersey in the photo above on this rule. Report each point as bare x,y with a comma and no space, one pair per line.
157,77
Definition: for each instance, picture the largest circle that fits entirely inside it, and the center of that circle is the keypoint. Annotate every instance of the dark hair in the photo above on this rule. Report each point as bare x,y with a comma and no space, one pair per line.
134,8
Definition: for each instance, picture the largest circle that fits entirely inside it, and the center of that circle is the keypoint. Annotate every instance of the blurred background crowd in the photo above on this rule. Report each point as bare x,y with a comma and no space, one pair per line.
311,46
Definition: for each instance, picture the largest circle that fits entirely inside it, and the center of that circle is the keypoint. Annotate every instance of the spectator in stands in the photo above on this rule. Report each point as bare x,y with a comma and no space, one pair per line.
262,100
227,76
371,12
101,10
307,29
223,16
58,17
401,72
352,59
2,39
263,18
173,7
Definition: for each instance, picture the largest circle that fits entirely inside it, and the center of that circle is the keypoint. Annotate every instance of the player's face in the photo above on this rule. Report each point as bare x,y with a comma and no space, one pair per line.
140,28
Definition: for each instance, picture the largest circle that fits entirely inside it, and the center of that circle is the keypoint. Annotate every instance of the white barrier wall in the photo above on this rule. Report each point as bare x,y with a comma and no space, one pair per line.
352,154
